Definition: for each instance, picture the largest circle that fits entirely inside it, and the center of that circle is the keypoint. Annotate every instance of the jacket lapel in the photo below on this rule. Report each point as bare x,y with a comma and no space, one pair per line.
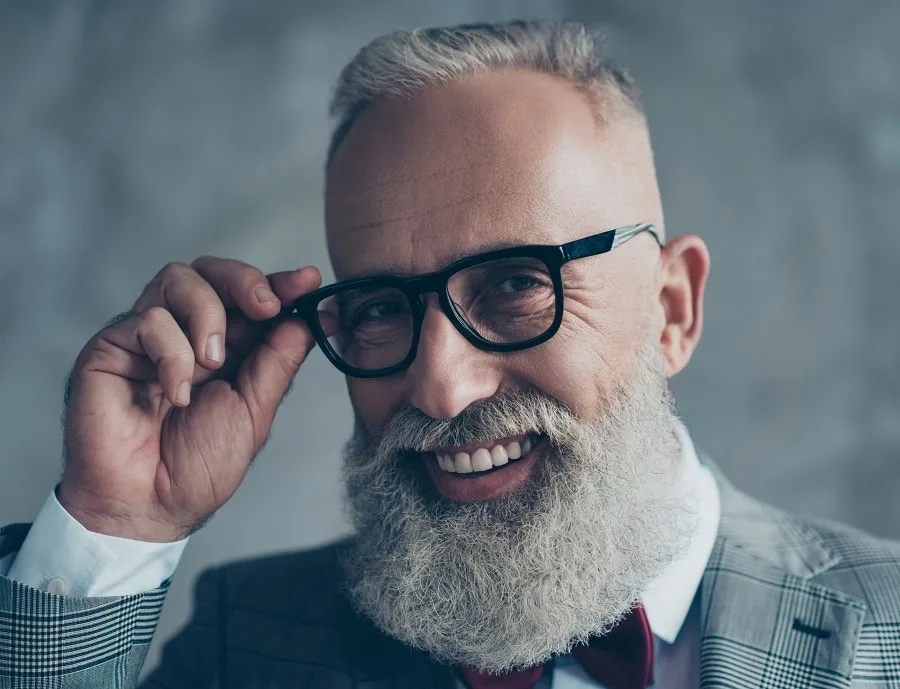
763,623
381,662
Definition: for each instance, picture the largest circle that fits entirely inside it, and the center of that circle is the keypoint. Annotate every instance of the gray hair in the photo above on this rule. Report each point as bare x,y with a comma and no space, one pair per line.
403,62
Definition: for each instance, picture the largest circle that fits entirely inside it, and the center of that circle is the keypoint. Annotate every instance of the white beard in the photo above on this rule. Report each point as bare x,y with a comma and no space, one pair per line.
507,583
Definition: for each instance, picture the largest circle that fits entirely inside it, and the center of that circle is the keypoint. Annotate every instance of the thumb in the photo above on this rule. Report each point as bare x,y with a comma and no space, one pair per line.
265,377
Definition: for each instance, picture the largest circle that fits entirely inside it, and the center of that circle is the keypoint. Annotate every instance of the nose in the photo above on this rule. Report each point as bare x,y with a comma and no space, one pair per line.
449,373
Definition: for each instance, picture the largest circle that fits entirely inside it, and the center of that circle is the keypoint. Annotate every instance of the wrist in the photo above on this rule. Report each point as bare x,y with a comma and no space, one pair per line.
110,523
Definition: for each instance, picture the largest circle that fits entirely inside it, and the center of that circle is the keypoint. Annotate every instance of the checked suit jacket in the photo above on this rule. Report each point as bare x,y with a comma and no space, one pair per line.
785,602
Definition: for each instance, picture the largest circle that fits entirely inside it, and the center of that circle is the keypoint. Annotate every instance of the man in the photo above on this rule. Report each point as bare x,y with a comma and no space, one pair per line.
528,508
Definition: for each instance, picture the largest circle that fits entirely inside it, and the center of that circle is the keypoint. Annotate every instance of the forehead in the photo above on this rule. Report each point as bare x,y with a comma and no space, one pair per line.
489,161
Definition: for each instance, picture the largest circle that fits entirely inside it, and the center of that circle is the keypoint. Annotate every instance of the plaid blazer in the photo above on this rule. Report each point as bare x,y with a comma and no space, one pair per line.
785,602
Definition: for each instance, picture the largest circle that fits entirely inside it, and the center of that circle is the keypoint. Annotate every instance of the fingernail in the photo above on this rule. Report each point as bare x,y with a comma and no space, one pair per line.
215,348
183,396
264,294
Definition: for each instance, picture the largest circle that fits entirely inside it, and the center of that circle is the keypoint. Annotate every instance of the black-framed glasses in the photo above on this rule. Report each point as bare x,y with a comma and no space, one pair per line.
500,301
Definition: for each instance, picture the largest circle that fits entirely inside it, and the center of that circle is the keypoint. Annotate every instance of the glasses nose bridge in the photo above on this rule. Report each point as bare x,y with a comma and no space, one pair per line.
433,283
437,284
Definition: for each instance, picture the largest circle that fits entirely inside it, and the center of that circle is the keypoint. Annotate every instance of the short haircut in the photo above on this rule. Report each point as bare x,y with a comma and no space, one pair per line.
400,64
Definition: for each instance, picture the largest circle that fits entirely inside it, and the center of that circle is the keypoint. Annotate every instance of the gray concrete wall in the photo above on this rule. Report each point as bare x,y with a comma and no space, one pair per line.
136,133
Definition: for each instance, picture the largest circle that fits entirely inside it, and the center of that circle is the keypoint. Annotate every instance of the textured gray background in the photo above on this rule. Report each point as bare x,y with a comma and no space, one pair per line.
137,133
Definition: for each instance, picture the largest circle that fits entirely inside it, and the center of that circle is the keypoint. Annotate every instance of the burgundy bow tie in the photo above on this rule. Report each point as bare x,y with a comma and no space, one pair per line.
622,659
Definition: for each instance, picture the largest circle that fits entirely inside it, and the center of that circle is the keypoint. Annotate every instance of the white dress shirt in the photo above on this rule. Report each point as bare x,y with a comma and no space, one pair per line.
60,556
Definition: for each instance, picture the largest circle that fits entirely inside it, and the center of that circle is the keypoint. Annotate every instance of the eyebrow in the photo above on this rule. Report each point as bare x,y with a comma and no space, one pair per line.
496,246
456,255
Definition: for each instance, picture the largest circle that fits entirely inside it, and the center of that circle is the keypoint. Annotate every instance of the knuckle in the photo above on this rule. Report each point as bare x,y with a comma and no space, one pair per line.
211,311
156,317
154,293
204,260
183,357
207,313
177,354
173,269
244,275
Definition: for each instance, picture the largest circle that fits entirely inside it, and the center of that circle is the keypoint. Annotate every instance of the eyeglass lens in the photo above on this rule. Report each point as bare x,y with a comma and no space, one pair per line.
507,301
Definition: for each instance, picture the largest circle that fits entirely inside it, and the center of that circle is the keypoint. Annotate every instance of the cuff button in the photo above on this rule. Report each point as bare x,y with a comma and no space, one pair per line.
57,587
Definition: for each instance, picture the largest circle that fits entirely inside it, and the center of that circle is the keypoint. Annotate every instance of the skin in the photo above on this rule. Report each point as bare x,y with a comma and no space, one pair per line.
498,159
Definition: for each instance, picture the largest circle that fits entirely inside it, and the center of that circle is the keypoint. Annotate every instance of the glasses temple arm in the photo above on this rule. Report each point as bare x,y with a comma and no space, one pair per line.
623,234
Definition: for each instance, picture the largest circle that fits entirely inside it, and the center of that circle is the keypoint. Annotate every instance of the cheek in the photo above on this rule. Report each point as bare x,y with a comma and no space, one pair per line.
582,366
375,400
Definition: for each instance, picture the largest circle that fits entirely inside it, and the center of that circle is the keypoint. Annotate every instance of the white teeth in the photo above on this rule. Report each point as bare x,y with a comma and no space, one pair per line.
481,460
463,463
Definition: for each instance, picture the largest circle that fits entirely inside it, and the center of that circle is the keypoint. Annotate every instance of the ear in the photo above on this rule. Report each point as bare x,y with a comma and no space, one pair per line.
684,267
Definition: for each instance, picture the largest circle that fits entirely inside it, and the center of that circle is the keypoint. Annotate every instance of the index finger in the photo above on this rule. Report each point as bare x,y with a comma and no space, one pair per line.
290,285
239,285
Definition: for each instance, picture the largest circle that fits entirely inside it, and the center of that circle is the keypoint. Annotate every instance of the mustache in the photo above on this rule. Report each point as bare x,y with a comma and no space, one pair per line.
505,414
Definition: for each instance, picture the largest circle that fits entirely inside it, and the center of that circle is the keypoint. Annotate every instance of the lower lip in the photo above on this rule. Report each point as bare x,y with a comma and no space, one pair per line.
494,484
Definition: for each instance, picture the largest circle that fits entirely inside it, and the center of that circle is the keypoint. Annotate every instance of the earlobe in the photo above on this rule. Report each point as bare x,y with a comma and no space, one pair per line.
684,269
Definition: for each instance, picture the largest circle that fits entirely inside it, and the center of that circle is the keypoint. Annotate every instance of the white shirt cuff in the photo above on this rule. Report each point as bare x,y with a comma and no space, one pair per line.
60,556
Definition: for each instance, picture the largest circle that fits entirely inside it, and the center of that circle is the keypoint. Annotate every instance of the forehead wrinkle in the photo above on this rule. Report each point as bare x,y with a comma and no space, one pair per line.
377,183
411,217
353,194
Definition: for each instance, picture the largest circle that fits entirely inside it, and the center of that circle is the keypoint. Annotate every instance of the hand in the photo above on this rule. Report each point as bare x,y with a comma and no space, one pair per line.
168,406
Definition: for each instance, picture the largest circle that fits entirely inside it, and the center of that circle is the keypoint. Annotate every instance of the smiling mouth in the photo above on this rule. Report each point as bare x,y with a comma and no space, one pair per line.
476,462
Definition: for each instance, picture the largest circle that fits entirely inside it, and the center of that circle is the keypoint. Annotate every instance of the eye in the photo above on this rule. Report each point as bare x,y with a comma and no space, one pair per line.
377,311
517,284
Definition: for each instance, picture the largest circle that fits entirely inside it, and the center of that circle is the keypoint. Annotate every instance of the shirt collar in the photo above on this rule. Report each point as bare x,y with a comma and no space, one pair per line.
669,598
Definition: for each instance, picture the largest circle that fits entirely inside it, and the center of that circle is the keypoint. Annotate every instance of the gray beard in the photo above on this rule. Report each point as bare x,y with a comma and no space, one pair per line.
505,584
